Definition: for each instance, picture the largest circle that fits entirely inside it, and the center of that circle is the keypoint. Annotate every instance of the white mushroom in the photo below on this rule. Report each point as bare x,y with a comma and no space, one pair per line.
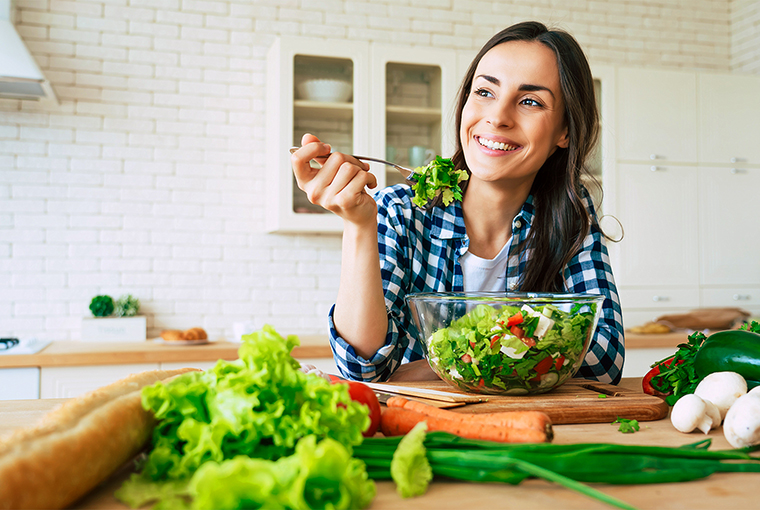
722,389
742,425
692,412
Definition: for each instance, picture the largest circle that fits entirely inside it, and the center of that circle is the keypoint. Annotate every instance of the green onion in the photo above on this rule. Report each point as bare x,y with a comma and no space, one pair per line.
568,465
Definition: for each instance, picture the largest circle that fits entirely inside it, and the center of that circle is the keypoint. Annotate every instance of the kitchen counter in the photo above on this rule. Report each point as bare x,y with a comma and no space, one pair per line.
66,354
72,353
722,490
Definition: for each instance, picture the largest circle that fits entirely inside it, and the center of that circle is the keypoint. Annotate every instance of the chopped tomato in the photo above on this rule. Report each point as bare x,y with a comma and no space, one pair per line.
472,344
481,383
544,365
560,362
515,320
494,339
517,331
467,358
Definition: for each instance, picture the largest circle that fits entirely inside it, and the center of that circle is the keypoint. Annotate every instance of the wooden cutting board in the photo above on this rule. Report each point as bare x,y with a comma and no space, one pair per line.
576,401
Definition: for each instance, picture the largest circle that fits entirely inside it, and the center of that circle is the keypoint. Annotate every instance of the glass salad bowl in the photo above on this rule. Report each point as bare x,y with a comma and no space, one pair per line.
505,344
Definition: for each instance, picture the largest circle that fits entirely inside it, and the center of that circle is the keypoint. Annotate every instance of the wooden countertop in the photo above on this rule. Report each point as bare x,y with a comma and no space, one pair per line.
721,490
62,354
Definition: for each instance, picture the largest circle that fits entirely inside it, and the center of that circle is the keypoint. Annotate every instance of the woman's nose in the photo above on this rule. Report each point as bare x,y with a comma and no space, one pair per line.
500,115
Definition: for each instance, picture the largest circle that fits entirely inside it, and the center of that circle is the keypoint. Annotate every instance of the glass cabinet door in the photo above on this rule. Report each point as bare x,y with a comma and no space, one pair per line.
323,106
412,115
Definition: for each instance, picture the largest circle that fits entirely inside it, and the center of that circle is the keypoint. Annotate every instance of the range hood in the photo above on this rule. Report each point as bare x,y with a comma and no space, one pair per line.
20,76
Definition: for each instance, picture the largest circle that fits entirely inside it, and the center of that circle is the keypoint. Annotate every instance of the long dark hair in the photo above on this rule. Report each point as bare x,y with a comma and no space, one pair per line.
561,221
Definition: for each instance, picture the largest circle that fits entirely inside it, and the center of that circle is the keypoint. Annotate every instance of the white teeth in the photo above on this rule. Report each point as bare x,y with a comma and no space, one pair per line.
496,145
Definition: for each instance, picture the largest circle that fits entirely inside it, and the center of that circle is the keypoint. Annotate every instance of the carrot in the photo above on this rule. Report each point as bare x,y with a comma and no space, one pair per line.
397,421
510,419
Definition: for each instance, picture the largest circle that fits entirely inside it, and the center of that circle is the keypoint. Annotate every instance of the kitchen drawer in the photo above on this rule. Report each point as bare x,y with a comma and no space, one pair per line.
747,298
659,299
68,382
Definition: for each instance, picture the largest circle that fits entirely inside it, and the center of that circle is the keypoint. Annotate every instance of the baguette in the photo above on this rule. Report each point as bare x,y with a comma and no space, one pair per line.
77,445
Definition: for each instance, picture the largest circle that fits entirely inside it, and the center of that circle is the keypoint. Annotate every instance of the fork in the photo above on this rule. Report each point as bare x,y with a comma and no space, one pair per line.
404,171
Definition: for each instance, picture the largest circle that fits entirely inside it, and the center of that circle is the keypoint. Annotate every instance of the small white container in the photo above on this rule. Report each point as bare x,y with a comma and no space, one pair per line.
114,329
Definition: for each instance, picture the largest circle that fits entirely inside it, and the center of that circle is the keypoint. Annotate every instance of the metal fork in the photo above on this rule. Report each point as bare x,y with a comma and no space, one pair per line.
405,172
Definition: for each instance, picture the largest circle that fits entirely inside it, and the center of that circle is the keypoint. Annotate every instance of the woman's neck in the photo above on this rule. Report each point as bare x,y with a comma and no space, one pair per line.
488,213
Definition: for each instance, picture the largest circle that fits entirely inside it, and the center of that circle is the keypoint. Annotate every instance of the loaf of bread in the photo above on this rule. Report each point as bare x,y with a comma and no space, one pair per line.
176,335
77,445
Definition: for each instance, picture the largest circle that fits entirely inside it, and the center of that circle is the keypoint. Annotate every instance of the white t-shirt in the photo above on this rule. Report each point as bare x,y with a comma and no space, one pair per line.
484,274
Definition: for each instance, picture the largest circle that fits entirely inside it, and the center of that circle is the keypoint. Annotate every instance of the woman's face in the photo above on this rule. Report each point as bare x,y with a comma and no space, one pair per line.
513,119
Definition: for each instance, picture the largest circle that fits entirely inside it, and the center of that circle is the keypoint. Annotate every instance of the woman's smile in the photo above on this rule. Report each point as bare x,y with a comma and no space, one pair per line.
497,144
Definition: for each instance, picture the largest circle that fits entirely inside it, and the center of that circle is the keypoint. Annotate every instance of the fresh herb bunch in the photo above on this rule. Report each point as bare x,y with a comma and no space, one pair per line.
752,327
677,375
438,176
101,306
127,306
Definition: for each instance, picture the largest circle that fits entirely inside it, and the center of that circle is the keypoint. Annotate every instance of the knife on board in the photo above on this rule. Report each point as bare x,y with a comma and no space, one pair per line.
441,396
383,398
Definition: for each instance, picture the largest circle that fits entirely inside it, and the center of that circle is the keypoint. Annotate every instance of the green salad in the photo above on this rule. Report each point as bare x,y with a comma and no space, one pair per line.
512,350
438,176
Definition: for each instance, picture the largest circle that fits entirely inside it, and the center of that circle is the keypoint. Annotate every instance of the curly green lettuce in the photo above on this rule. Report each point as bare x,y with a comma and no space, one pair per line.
438,176
410,468
259,406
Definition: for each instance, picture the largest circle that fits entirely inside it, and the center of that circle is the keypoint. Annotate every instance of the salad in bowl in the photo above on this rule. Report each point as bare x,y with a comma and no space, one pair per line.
512,344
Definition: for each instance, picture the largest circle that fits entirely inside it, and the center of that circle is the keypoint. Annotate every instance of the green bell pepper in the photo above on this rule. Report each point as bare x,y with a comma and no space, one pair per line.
730,351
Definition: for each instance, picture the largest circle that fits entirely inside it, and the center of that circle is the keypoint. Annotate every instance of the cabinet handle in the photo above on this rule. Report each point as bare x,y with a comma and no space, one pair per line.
658,299
737,160
656,156
742,297
738,171
656,168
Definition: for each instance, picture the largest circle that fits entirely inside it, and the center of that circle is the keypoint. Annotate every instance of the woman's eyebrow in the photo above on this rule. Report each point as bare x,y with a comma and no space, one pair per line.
526,87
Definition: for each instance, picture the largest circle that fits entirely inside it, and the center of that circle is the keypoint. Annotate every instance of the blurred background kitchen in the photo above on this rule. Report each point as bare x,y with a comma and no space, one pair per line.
152,160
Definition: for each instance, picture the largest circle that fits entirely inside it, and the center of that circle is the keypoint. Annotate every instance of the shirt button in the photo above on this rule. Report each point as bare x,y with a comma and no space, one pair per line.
518,223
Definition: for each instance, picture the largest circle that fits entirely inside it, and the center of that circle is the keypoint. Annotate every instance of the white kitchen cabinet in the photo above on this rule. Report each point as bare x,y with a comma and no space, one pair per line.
639,361
729,213
656,114
401,96
19,383
729,119
67,382
658,211
746,298
416,89
343,124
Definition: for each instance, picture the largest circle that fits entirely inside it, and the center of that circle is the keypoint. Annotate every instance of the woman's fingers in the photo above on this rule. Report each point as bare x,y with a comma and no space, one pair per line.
300,161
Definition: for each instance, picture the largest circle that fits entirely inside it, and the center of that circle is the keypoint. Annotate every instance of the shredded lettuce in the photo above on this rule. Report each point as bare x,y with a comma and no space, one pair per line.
259,406
479,351
410,468
438,176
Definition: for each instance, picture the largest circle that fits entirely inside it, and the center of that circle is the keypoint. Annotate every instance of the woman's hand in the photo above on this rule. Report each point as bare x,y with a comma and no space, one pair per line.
339,185
414,371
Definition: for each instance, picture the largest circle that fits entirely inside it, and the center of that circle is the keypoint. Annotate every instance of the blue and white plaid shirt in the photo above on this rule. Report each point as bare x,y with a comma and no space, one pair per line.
419,252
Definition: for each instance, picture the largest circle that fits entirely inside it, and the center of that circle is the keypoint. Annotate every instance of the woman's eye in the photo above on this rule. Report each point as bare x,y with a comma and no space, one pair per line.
482,93
531,102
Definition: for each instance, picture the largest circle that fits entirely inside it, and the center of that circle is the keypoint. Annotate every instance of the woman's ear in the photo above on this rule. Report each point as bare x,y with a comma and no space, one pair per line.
564,139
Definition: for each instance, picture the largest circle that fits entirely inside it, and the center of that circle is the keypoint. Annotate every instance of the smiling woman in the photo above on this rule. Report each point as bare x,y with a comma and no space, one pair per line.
527,122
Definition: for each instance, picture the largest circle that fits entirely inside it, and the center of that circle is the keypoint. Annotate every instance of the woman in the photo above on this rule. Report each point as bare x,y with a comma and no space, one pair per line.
527,121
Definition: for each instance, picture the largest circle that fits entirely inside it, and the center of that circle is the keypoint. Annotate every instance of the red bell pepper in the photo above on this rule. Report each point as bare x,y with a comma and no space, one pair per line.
515,320
646,382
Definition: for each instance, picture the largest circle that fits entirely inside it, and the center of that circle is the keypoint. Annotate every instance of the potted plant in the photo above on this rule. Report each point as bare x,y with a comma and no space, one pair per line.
114,321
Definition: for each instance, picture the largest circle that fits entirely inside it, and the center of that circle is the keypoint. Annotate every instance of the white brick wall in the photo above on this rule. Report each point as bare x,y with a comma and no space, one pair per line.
148,178
745,36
